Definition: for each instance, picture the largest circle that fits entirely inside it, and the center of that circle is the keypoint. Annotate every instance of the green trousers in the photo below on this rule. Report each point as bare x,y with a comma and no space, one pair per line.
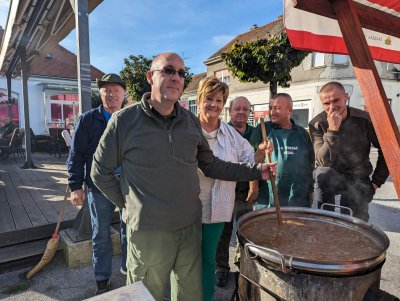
156,256
211,235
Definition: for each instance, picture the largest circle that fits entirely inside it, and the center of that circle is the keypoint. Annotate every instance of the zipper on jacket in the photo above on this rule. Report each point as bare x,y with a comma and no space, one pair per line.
171,142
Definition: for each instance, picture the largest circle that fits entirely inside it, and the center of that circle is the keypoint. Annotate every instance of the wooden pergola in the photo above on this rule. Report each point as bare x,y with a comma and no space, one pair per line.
352,16
33,29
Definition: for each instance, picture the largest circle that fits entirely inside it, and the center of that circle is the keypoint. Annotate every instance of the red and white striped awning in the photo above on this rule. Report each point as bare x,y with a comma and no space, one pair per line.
312,31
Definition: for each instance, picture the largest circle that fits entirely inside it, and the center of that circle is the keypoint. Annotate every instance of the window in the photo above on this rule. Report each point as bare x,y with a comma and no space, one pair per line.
223,75
64,109
56,112
300,116
318,59
6,106
226,79
251,118
193,106
340,59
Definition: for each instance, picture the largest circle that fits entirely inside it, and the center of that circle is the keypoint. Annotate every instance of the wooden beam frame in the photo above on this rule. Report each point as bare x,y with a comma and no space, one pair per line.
368,17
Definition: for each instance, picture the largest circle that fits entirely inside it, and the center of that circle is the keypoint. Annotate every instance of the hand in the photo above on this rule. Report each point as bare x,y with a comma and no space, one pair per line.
252,195
78,197
266,168
269,146
260,152
334,119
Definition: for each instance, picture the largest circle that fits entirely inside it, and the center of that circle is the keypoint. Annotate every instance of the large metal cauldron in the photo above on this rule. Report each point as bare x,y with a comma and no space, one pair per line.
284,263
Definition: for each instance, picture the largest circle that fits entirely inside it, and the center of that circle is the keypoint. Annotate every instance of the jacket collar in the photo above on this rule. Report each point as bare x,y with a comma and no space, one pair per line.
147,108
246,131
294,125
99,113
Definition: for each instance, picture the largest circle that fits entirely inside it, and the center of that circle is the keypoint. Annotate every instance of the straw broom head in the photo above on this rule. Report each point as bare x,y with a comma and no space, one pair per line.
51,249
52,244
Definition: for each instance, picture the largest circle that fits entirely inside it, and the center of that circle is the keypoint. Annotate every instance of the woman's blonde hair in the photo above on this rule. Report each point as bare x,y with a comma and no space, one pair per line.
209,86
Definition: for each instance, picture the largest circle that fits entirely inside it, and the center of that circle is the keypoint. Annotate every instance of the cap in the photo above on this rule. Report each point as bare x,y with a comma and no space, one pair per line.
110,78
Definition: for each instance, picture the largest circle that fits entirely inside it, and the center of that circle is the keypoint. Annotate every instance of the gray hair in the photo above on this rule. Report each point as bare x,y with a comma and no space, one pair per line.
238,98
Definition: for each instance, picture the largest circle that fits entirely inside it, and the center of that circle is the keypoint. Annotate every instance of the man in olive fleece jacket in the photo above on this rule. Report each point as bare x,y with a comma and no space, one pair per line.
159,146
342,138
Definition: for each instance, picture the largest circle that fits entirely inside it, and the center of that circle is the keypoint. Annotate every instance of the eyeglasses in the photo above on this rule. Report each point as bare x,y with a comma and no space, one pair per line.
171,71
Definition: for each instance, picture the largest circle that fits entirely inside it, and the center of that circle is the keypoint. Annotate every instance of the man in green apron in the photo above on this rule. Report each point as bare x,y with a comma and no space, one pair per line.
294,153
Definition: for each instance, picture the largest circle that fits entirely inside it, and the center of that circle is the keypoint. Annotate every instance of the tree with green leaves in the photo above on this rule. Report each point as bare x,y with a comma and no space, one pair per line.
267,60
134,75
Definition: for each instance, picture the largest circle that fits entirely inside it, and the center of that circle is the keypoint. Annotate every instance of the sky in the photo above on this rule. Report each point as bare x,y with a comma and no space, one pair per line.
195,29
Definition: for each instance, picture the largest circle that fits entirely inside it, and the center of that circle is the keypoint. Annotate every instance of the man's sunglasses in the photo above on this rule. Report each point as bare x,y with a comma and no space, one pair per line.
172,72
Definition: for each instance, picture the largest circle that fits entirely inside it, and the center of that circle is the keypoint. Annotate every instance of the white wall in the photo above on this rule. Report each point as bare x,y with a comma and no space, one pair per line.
36,99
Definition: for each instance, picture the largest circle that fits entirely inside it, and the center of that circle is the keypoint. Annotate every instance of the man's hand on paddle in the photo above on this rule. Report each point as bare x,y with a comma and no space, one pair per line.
266,168
259,154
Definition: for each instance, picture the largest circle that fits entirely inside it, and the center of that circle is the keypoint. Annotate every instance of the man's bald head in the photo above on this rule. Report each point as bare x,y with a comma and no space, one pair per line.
159,60
167,78
284,97
239,110
280,109
241,99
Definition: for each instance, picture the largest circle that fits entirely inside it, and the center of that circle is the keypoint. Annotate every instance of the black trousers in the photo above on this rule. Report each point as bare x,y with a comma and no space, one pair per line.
241,207
356,193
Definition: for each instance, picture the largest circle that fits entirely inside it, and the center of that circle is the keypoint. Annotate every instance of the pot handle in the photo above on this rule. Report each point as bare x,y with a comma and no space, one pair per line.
337,206
262,252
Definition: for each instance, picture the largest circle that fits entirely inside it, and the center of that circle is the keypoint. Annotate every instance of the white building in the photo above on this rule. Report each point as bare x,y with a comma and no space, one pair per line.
52,93
316,70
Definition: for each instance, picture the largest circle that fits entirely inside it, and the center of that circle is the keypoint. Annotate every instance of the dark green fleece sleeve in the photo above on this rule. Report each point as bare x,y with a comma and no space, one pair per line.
105,160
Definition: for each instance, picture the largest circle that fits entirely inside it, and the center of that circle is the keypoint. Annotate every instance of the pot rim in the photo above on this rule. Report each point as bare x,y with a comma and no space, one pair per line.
287,263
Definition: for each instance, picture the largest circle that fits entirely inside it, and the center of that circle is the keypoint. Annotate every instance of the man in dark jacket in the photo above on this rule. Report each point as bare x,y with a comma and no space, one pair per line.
88,131
342,138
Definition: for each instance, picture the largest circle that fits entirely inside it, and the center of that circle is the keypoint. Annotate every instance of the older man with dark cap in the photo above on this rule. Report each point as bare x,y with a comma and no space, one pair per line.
89,129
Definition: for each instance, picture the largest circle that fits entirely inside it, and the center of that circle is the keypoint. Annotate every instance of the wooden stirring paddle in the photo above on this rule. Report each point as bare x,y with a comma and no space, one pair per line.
271,176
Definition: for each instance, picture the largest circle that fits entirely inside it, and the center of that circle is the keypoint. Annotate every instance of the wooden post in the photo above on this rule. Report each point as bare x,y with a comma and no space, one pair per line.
8,77
371,86
24,79
83,55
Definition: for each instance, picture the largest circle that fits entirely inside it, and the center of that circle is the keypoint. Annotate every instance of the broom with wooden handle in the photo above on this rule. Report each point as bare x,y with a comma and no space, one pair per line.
52,244
271,176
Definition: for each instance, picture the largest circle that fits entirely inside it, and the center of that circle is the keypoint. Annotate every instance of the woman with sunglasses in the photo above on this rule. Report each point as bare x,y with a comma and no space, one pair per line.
217,196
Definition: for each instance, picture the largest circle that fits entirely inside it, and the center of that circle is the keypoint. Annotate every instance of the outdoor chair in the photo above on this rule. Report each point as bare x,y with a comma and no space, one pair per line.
40,142
6,150
58,141
18,150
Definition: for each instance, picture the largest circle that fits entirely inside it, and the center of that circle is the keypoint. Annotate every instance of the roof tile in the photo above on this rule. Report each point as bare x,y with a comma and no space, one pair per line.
252,35
62,63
